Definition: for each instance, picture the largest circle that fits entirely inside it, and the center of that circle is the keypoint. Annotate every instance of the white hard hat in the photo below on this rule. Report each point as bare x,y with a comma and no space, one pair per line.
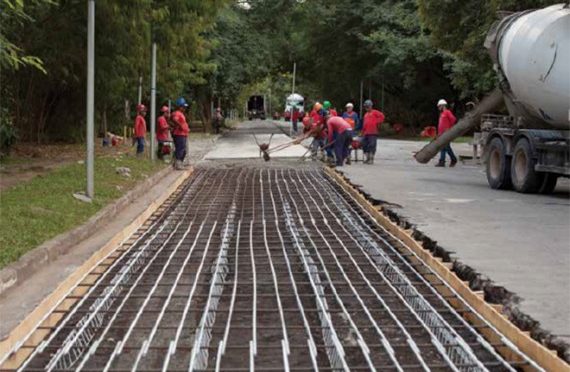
441,102
349,105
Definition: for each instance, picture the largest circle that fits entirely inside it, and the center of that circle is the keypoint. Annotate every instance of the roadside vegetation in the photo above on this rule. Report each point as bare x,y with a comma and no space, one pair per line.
40,209
406,53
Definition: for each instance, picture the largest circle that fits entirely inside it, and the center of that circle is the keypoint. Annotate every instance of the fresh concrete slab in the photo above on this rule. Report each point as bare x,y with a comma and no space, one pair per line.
240,143
522,242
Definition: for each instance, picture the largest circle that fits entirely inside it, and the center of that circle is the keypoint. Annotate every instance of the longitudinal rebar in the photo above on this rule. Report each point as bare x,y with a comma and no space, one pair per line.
273,268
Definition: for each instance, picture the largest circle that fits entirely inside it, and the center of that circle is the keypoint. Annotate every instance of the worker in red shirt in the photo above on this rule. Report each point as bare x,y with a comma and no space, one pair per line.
370,127
343,131
180,132
163,131
140,128
294,118
315,113
446,121
313,126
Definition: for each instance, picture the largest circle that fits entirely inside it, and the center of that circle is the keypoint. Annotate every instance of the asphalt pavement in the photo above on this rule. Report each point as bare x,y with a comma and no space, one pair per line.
521,242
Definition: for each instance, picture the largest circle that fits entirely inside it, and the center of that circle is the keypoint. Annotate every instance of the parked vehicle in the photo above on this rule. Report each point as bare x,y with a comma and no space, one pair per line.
294,100
256,107
529,149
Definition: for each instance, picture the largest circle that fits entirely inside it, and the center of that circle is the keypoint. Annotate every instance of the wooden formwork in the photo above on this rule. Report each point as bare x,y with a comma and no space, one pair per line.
22,340
546,358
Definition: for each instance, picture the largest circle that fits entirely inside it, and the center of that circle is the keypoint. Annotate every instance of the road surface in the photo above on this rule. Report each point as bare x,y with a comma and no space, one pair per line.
521,242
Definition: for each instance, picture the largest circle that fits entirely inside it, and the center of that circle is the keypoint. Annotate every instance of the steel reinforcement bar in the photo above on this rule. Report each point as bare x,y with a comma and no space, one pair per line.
268,268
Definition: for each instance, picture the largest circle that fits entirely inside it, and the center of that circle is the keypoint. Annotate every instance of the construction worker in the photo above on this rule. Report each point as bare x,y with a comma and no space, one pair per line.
162,131
313,127
217,120
370,127
315,112
343,130
294,118
351,116
180,132
140,128
327,105
446,121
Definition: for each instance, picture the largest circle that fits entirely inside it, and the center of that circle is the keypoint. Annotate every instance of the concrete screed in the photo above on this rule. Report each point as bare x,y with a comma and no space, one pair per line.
521,242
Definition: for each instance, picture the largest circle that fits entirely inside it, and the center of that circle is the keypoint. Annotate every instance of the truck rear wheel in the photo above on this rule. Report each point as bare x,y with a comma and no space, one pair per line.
525,179
498,165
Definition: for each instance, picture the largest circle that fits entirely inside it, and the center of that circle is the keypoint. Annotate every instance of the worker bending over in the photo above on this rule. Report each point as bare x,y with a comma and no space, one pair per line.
343,130
140,128
180,132
371,124
446,122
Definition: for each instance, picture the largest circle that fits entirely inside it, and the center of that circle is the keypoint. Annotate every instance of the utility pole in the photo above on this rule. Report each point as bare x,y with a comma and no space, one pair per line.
153,103
90,163
270,111
361,95
140,90
294,73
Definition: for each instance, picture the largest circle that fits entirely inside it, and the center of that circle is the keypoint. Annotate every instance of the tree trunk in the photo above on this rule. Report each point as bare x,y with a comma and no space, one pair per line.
206,116
104,120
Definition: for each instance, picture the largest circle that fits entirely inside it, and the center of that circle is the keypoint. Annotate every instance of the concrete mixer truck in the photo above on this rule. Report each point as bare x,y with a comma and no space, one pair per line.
529,149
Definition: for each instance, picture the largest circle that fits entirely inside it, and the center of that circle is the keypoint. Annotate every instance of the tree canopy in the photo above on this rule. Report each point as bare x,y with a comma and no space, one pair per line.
406,54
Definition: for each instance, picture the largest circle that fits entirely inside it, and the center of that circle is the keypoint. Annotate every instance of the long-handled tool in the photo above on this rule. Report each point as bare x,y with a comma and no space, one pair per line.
309,149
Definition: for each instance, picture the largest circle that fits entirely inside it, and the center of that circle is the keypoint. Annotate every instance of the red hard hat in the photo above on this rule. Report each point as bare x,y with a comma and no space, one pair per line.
141,107
164,109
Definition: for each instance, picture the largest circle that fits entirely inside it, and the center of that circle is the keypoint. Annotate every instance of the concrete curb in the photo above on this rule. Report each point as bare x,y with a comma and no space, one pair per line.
18,271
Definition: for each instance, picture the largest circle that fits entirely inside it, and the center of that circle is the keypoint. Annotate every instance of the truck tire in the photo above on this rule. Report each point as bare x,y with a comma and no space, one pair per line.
525,179
498,165
548,183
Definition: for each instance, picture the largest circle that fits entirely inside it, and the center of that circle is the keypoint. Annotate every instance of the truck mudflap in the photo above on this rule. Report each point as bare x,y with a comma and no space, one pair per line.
551,148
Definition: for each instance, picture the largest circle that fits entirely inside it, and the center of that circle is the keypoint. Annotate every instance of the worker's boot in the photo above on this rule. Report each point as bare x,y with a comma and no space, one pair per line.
440,164
371,161
348,160
453,162
366,158
178,165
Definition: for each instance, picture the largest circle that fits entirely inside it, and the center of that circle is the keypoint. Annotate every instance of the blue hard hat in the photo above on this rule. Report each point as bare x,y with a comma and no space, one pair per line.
368,103
181,102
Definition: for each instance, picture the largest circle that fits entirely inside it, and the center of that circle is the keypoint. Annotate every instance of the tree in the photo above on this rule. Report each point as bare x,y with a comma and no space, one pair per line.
52,104
12,56
458,29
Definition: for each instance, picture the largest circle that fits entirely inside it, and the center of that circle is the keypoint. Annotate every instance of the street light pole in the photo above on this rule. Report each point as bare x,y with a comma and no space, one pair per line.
361,95
153,104
90,98
294,73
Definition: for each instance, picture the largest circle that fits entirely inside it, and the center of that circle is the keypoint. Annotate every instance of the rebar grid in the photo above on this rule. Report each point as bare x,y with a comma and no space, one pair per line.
263,268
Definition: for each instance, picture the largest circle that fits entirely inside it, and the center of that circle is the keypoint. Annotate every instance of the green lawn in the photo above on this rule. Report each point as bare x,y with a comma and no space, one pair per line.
40,209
